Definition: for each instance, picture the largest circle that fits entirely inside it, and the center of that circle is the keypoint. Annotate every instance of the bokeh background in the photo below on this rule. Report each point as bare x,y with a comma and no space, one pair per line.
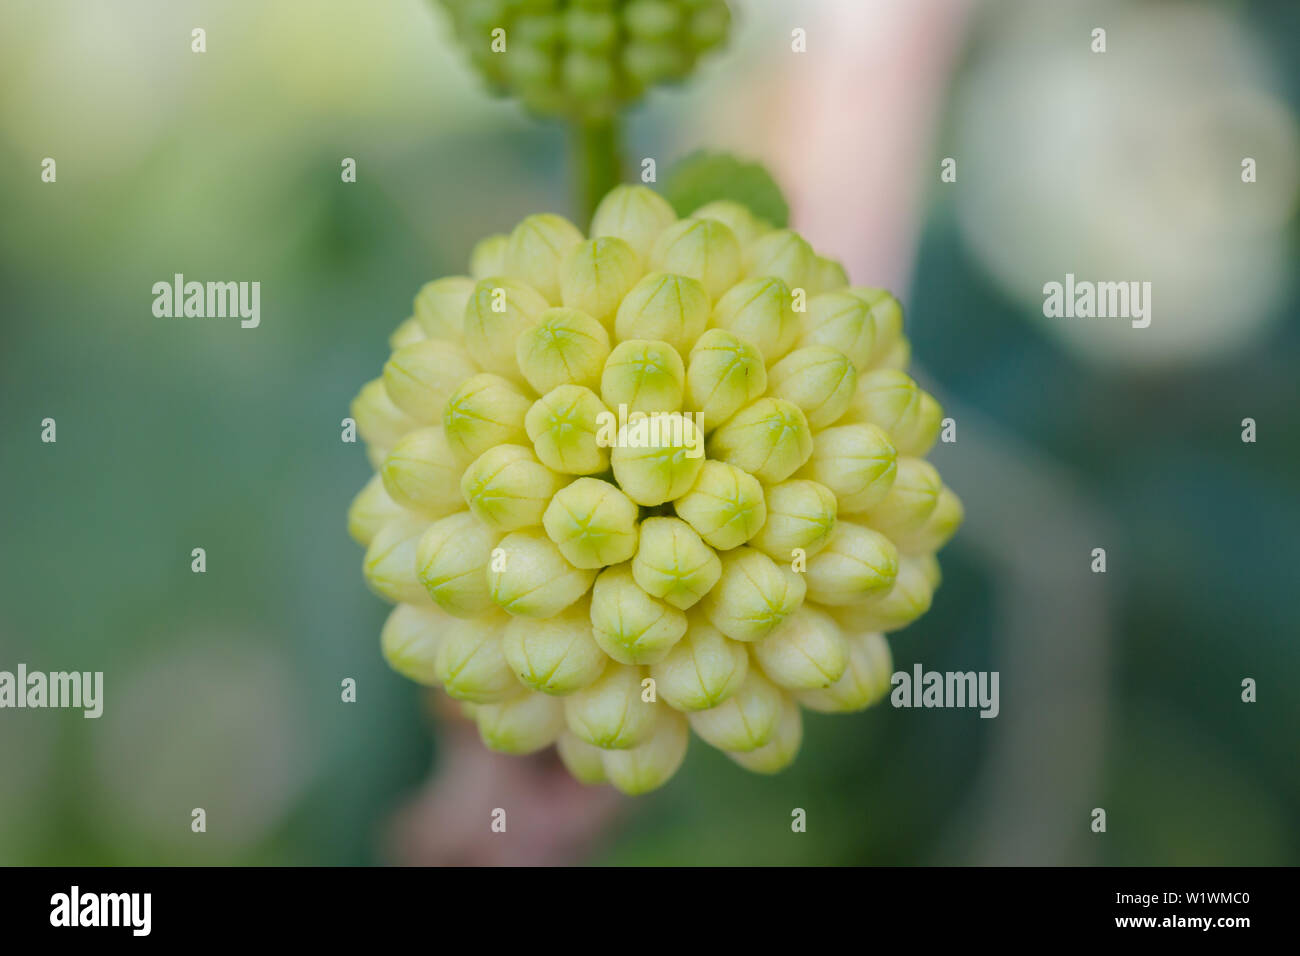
1119,691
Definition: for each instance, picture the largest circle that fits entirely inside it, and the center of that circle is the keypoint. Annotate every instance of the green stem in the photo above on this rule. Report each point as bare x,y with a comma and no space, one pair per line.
597,164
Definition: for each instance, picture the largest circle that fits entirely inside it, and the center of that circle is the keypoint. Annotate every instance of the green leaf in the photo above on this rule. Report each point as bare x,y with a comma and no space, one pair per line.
703,177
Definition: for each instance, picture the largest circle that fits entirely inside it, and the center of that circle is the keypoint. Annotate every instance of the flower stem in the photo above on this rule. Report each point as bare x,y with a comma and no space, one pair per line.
596,163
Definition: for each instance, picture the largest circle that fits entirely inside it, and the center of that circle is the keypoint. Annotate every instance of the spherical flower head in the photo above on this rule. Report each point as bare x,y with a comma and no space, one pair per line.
857,462
800,517
593,523
451,561
781,748
421,473
536,247
565,347
663,307
611,713
819,379
471,665
439,307
564,426
629,625
498,311
673,563
657,457
650,765
753,596
643,376
841,321
557,655
635,214
760,310
704,249
723,374
596,274
702,670
507,488
410,640
806,651
520,725
769,438
529,577
725,506
486,411
865,679
857,563
744,721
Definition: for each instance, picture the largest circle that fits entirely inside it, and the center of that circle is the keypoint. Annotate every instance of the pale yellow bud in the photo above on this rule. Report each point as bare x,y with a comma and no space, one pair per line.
488,257
724,373
865,680
938,529
725,505
485,411
440,308
410,641
380,423
635,214
704,249
770,439
520,725
421,474
535,249
735,217
843,322
389,564
595,276
507,488
805,651
645,376
753,596
744,721
827,276
886,319
911,500
817,378
903,603
856,563
593,523
370,510
800,514
408,333
784,254
702,670
420,378
857,462
629,625
556,655
921,438
498,311
581,758
673,563
888,398
759,311
471,665
657,458
664,307
611,713
649,765
899,356
565,347
779,752
531,578
452,560
564,425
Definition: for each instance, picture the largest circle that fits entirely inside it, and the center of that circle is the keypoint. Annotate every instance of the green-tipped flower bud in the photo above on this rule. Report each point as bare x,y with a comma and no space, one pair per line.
842,321
911,500
886,319
770,439
536,247
744,721
784,254
702,670
581,758
651,764
487,259
759,310
857,462
735,216
897,357
864,682
487,410
725,505
529,577
421,474
657,457
420,378
410,641
779,752
663,307
389,565
507,488
440,307
370,510
725,372
497,313
888,398
471,665
673,563
408,333
938,529
929,420
611,713
557,655
593,523
817,378
856,564
806,651
827,276
635,214
628,624
596,274
753,596
898,607
564,425
380,423
800,514
565,347
451,562
644,376
520,725
703,249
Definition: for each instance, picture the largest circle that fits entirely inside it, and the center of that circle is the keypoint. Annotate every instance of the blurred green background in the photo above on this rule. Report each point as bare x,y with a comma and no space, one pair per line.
1119,691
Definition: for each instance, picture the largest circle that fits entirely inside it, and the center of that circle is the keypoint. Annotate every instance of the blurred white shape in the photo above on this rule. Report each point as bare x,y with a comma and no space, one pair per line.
1126,166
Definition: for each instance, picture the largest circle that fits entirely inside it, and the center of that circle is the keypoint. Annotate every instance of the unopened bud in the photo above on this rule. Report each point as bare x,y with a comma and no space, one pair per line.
843,322
770,439
800,515
725,505
389,564
507,488
779,752
565,347
596,274
664,307
910,502
753,596
649,765
499,310
857,462
704,249
744,721
635,214
520,725
420,473
471,665
533,578
645,376
581,758
535,249
452,560
827,275
735,217
628,624
657,458
724,373
806,651
856,564
759,310
593,523
370,510
440,307
565,427
702,670
421,377
817,378
903,603
485,411
782,253
408,333
865,680
410,640
556,655
610,713
673,563
489,258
